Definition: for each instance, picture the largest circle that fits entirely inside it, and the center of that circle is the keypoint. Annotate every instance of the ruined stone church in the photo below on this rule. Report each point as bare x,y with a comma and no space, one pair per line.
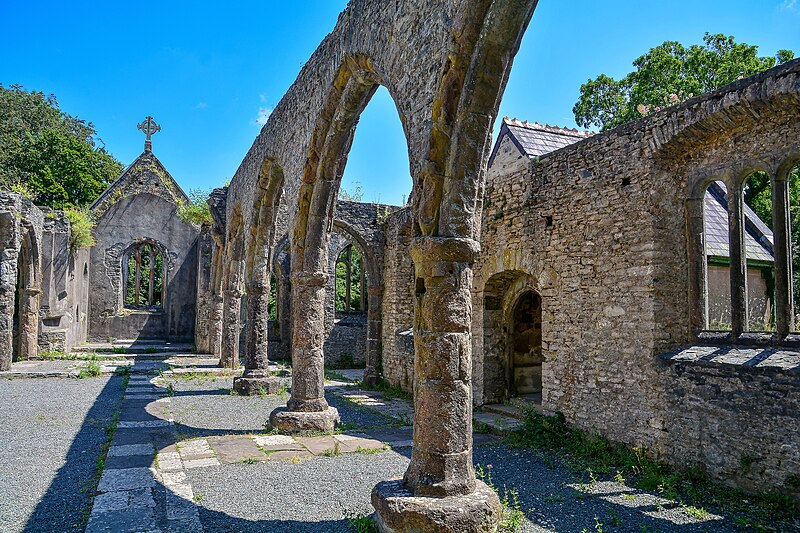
577,273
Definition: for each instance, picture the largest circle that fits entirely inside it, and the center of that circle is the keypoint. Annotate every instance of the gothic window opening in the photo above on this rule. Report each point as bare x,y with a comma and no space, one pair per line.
143,272
272,301
351,284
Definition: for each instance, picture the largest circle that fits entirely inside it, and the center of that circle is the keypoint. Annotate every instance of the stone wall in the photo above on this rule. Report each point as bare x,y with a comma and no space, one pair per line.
737,412
398,301
141,206
599,230
64,305
204,327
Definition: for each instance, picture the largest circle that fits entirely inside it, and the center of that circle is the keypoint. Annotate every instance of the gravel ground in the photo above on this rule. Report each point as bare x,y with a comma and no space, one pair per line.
52,431
315,494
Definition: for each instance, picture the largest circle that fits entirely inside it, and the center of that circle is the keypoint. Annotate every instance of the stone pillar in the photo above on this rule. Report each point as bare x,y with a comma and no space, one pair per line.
439,491
217,312
307,409
698,281
784,299
229,345
738,257
374,323
256,378
29,323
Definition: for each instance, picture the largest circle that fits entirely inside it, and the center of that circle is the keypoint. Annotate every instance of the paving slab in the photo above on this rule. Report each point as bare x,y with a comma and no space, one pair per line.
126,479
236,449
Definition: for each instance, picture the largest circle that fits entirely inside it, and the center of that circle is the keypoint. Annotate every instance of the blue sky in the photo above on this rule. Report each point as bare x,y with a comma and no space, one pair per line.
209,71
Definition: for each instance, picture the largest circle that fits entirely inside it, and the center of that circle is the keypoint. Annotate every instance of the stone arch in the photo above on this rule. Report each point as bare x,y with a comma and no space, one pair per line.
281,267
371,246
259,251
447,98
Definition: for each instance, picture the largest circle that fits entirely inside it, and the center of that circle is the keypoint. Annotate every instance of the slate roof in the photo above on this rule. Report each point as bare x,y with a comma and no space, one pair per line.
758,237
534,139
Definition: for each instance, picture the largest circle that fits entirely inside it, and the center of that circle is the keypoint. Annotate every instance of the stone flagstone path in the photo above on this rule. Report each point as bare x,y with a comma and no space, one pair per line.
144,486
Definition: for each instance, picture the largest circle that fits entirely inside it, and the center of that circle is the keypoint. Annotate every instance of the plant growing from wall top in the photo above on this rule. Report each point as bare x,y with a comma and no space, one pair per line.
81,225
197,210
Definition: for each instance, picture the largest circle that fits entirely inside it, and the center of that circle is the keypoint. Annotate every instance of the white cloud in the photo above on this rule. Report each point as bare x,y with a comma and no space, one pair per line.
263,115
790,5
201,105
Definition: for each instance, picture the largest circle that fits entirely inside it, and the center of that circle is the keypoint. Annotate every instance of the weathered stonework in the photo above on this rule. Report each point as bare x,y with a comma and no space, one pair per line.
141,206
599,230
21,228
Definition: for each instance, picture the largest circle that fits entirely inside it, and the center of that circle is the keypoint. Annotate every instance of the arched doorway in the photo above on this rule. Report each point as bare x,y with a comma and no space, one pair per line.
524,363
26,303
512,338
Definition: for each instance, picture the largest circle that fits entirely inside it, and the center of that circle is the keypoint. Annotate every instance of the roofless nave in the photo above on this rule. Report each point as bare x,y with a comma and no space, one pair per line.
570,269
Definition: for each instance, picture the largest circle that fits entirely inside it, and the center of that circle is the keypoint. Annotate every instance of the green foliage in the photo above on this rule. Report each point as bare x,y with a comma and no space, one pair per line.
48,155
91,370
666,75
197,210
356,260
272,299
81,226
360,522
512,515
356,195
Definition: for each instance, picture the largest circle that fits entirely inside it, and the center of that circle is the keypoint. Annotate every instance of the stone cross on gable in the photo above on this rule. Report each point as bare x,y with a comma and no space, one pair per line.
148,127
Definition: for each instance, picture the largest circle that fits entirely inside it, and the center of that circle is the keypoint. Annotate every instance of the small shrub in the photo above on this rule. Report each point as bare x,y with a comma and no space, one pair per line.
360,522
196,210
81,226
91,370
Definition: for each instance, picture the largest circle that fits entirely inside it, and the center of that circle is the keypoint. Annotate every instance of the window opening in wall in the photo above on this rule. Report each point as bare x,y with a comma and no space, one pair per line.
272,301
351,286
715,220
794,225
759,244
144,277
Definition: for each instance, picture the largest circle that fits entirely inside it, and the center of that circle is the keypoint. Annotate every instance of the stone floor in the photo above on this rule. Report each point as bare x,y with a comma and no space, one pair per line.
188,455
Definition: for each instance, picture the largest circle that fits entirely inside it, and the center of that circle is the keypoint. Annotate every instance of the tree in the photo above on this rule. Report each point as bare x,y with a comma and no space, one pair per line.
667,75
49,155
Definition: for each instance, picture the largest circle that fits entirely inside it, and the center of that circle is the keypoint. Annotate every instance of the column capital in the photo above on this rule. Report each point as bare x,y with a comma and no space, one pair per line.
450,249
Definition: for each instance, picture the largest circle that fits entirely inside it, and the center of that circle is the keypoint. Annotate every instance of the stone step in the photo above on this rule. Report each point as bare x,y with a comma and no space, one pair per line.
136,347
507,410
495,423
139,356
525,404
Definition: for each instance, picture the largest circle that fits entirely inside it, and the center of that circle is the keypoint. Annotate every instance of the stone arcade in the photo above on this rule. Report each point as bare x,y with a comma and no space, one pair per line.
561,266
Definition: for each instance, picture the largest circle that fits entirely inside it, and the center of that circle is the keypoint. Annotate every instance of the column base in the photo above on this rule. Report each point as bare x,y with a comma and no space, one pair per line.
252,385
397,510
298,422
